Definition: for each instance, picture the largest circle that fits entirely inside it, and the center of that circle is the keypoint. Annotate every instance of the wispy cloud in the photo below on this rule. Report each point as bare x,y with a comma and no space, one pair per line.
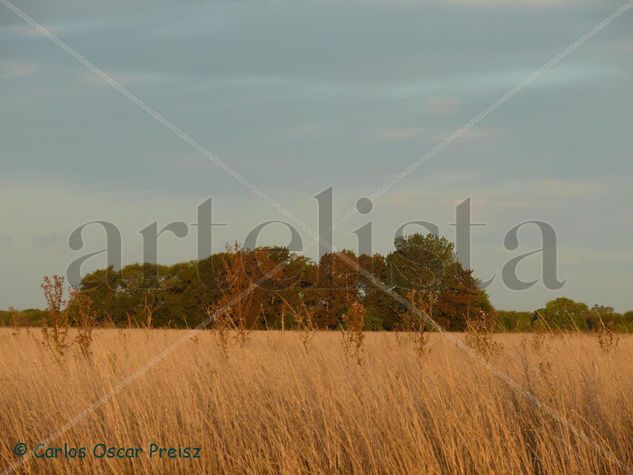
435,136
474,3
496,80
23,31
625,46
17,70
131,78
516,195
442,105
570,188
523,3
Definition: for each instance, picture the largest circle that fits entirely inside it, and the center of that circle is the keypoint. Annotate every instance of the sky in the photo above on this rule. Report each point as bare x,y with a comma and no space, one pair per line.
300,96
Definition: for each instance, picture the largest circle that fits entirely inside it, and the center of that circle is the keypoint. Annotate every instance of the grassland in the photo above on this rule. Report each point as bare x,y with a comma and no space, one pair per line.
276,406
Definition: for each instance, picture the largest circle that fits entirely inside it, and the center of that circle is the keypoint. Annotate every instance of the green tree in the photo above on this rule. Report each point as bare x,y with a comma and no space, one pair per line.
430,263
565,314
422,262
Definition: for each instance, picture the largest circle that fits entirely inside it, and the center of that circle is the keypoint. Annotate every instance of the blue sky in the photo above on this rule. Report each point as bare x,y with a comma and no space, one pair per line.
300,96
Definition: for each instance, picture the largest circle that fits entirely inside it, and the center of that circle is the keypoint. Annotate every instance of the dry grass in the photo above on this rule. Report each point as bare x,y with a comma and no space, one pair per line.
272,407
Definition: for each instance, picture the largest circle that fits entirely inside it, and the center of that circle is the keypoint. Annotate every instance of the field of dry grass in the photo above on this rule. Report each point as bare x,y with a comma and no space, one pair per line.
273,407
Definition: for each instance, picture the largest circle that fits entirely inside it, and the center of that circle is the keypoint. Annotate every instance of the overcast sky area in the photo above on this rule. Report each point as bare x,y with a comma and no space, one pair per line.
299,96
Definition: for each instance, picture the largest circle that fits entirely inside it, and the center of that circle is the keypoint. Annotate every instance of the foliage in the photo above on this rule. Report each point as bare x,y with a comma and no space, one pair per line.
565,314
280,281
480,331
56,323
81,316
353,332
415,319
282,285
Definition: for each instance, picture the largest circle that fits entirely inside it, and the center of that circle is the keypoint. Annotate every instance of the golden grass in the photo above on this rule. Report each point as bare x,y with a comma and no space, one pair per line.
273,408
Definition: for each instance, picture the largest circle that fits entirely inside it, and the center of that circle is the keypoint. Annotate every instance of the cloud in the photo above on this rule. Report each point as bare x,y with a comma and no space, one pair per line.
516,195
481,199
16,70
130,78
393,135
523,3
494,81
442,105
626,47
24,31
5,239
569,188
478,3
436,136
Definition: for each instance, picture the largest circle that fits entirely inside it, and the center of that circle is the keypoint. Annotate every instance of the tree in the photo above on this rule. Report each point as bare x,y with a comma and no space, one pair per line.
381,309
565,314
337,287
422,262
460,299
429,263
265,283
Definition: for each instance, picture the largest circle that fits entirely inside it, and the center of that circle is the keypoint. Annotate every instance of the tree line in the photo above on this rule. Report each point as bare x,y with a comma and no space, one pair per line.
273,288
